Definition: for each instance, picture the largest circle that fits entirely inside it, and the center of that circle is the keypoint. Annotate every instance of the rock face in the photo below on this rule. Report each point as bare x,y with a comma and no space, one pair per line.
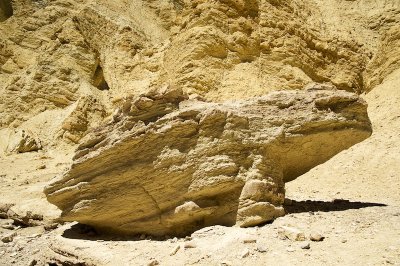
169,165
59,55
23,141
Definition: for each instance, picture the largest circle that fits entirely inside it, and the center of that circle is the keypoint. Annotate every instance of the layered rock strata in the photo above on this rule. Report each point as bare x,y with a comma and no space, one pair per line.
169,165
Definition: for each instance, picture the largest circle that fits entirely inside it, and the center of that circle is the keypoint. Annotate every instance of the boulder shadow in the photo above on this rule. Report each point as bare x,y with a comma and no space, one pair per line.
82,231
86,232
294,206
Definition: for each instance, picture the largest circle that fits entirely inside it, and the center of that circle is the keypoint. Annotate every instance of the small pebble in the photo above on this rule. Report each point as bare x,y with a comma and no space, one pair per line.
175,250
305,245
13,254
261,249
8,238
43,166
50,226
316,237
294,234
290,249
190,244
245,253
344,240
153,263
8,226
33,262
226,263
249,240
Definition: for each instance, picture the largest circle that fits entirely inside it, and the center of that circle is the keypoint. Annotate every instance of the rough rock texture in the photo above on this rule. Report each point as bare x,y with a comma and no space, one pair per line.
53,53
166,165
23,141
66,65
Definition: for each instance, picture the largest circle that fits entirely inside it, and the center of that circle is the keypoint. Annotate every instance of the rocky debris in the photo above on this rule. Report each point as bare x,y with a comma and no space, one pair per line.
41,167
23,141
7,224
55,255
25,219
189,244
249,240
169,166
4,208
316,237
87,113
305,245
291,233
290,249
33,262
153,262
261,248
245,253
8,238
50,226
175,250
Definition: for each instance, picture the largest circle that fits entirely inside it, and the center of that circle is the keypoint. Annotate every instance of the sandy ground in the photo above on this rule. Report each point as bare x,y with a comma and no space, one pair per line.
353,201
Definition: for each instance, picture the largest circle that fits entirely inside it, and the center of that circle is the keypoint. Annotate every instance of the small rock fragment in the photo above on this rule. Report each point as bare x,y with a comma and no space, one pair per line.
8,226
344,240
290,249
175,250
226,263
245,253
40,167
305,245
249,240
8,238
153,262
50,226
190,244
33,262
261,249
286,232
316,237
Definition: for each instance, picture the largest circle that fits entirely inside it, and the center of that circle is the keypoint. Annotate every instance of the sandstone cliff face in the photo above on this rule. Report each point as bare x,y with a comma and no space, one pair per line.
168,166
54,53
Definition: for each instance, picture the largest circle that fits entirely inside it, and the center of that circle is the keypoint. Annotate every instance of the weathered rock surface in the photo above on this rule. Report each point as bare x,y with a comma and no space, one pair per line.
169,165
23,141
59,55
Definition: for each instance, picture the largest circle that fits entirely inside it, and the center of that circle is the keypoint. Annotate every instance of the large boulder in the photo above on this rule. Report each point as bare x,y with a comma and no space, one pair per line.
169,165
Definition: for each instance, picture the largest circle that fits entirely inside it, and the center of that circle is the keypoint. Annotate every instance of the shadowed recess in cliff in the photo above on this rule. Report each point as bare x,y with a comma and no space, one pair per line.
98,79
6,10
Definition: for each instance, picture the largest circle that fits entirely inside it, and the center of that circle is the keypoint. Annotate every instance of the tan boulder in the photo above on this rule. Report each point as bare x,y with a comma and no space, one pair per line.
23,141
168,165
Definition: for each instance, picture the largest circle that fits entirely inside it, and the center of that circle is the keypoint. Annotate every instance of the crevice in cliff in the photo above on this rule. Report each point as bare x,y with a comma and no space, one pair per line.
154,201
99,80
6,10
